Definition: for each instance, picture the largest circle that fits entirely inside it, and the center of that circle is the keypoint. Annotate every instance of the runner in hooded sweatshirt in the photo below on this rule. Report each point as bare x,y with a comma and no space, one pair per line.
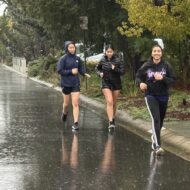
69,67
154,78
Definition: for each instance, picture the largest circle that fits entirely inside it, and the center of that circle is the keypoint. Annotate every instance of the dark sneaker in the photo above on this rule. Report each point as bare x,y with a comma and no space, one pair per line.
153,143
111,125
113,121
159,151
63,117
75,126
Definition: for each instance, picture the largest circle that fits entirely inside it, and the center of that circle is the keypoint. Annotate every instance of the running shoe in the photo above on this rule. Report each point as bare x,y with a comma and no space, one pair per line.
111,125
63,117
159,151
75,126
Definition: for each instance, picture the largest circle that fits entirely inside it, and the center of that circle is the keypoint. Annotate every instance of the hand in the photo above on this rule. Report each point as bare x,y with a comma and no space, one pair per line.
143,86
112,67
74,71
158,76
87,75
101,75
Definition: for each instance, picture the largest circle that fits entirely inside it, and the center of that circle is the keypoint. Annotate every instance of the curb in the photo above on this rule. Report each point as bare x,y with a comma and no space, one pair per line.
11,69
171,141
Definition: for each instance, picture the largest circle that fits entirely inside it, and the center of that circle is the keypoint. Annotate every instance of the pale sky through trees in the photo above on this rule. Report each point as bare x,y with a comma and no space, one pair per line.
2,8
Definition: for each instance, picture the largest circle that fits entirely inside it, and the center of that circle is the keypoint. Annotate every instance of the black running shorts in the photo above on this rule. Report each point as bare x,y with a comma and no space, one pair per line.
69,90
112,85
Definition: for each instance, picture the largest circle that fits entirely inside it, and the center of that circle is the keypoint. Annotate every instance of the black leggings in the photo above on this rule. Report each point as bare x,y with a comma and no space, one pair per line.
157,110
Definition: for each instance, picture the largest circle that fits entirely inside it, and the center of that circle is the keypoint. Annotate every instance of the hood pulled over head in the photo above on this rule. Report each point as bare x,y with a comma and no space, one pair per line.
66,44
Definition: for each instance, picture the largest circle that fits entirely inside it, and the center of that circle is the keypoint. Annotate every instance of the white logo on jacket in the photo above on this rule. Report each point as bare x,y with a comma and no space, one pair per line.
151,73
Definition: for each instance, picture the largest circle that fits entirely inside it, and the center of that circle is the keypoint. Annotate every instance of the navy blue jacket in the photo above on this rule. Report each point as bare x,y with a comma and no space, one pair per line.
64,68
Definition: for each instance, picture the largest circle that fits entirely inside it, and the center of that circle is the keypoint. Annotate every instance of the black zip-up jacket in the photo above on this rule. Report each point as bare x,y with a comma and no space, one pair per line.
155,87
105,67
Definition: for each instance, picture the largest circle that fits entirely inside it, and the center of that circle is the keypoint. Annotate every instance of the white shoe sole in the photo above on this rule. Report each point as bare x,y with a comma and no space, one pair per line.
159,152
73,128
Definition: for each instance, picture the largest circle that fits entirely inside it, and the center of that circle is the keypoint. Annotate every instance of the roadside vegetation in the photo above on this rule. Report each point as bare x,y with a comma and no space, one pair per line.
131,98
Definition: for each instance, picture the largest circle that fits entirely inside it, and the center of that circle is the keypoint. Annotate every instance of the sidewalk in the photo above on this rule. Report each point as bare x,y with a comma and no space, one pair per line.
175,136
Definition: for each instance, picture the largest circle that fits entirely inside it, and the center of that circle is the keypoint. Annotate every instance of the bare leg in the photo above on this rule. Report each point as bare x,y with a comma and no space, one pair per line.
66,101
75,103
109,103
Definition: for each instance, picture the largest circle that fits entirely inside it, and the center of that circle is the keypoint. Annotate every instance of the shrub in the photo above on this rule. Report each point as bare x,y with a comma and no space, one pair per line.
43,67
35,67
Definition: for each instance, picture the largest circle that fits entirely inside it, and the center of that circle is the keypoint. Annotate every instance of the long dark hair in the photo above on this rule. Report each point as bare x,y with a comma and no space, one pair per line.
156,45
109,46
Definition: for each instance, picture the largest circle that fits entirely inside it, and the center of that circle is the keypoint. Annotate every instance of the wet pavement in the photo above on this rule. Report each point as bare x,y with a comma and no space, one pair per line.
39,152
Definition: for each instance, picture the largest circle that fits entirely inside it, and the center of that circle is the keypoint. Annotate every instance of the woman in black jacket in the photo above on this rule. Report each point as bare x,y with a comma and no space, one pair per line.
110,69
154,78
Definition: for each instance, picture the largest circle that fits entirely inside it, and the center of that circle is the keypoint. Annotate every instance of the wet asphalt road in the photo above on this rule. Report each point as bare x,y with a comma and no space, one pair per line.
38,152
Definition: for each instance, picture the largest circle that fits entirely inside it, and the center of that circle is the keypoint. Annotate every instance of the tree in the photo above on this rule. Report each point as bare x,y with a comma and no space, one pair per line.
60,19
170,21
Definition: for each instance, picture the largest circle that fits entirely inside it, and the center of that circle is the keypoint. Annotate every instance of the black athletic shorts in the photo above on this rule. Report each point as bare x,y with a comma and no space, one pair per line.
69,90
112,85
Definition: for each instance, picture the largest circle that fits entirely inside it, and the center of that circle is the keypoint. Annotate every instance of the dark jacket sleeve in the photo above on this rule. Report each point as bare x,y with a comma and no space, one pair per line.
60,68
140,75
170,78
119,67
81,68
98,68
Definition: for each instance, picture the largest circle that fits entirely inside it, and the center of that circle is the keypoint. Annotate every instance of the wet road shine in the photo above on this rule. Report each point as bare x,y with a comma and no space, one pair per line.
39,152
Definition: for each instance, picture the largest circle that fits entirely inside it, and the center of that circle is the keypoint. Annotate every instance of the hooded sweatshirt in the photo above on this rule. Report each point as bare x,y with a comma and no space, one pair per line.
66,64
156,87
